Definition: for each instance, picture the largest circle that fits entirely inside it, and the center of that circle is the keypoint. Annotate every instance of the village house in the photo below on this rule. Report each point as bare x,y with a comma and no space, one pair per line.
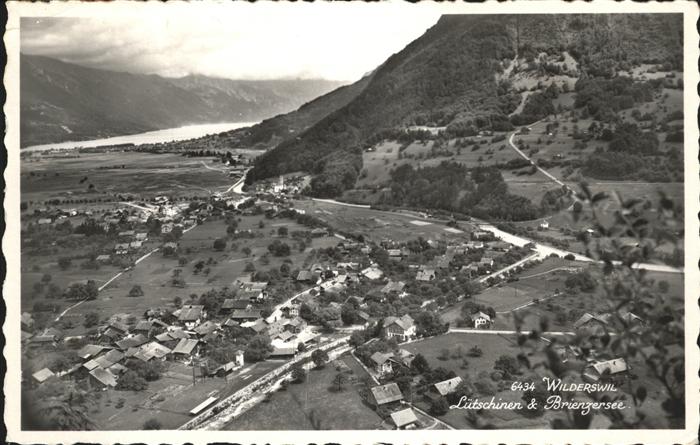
90,351
232,304
385,394
405,419
591,322
186,348
426,274
121,249
382,363
291,310
102,377
402,328
475,245
103,258
393,286
614,370
372,273
152,350
252,295
306,276
447,386
131,342
190,315
43,375
481,320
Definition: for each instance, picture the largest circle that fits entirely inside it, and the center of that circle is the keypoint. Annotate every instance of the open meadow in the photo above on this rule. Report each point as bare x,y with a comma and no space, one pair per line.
313,404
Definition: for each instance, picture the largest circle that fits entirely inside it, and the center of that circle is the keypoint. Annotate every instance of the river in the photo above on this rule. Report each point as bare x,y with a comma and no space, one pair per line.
150,137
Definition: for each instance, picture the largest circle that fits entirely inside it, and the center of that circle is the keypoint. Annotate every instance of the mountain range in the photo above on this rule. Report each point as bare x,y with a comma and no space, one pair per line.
62,101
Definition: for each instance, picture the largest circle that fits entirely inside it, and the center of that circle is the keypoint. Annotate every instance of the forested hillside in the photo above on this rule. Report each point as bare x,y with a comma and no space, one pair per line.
456,75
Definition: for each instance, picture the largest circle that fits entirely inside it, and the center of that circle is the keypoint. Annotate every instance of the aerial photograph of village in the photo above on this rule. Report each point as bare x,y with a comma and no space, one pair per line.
415,238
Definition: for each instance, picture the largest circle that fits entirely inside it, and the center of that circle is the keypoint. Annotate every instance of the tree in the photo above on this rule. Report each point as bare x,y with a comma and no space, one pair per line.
91,319
282,231
348,314
439,407
177,302
219,244
136,291
56,405
151,424
46,278
663,286
78,291
278,248
258,348
131,381
339,381
246,251
508,365
420,364
319,357
475,351
298,374
64,263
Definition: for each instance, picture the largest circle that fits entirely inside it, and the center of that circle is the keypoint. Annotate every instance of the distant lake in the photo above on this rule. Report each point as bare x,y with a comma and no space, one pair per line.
150,137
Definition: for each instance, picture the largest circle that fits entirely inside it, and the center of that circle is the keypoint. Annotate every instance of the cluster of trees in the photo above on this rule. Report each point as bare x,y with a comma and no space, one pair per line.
537,106
279,248
633,154
603,98
451,186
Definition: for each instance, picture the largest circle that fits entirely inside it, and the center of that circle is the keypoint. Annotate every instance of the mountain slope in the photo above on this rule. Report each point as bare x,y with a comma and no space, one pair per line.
449,76
270,132
62,101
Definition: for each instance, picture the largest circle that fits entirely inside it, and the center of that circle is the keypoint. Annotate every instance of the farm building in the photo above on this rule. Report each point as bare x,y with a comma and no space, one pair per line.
186,348
103,377
283,353
231,304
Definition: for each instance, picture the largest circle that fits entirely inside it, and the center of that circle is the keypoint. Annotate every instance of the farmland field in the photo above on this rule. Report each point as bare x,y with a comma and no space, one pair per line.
111,173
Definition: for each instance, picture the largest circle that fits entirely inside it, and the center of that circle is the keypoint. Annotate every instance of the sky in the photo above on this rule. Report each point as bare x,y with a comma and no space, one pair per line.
246,41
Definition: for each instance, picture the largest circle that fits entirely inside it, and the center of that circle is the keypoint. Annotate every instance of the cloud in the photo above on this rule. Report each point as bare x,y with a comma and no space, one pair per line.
260,41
